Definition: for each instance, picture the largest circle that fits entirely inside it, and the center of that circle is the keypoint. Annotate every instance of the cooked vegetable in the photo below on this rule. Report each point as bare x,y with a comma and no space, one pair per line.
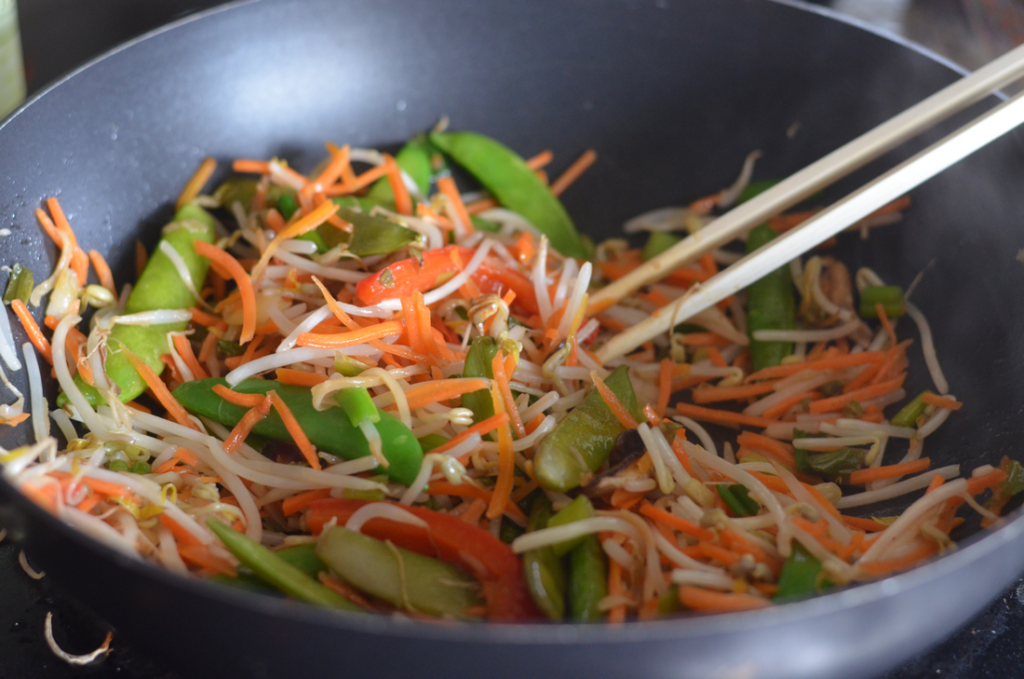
889,296
772,306
19,285
542,568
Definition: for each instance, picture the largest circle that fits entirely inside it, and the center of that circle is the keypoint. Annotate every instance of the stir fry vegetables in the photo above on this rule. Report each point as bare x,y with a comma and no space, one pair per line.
369,389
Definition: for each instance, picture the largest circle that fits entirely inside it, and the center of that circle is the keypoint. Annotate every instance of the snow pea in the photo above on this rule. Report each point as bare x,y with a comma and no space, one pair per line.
657,243
801,575
159,287
478,364
415,160
771,306
329,430
510,180
582,441
543,570
275,571
358,405
577,510
401,577
588,580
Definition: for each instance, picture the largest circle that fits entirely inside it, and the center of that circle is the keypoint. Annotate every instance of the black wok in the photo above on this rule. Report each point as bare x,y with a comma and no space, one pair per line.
673,94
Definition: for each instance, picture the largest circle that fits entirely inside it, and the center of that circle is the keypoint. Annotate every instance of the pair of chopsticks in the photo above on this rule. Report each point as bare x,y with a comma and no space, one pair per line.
830,221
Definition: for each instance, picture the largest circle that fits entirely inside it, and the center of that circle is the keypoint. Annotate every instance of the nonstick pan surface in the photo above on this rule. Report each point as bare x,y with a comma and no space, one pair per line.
673,95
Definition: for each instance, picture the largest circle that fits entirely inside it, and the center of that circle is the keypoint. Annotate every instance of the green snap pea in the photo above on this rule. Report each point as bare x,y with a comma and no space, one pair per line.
431,441
577,510
756,188
304,558
514,185
581,442
329,430
402,578
889,296
358,405
657,243
287,205
588,580
483,224
348,366
246,582
771,306
19,285
415,160
910,413
275,571
737,497
543,570
159,287
478,364
801,575
243,190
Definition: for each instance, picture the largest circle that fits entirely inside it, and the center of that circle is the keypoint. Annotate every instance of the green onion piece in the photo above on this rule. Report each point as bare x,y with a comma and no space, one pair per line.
853,410
842,462
348,366
908,416
737,498
140,467
119,466
889,296
801,575
657,243
358,405
287,206
19,285
229,348
577,510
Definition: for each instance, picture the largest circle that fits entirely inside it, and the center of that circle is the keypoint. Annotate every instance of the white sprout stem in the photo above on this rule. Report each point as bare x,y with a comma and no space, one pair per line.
314,319
705,438
64,424
382,510
676,556
63,262
910,517
758,407
934,422
575,300
836,527
7,351
331,272
550,536
665,481
273,361
931,358
183,273
898,489
702,579
808,335
67,383
40,422
158,317
539,275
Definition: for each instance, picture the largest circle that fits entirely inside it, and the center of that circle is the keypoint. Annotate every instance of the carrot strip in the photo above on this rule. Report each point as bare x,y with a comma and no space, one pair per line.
245,425
899,563
676,522
238,398
869,525
208,349
159,389
360,182
884,319
612,401
842,361
941,401
447,186
718,553
102,271
196,183
977,484
664,386
297,503
302,226
241,278
183,536
738,393
79,260
200,555
573,172
937,481
779,450
623,499
540,160
299,377
826,405
32,330
721,416
780,408
878,473
345,339
703,339
423,323
442,391
501,377
295,430
202,318
403,202
334,169
484,427
245,166
184,349
617,615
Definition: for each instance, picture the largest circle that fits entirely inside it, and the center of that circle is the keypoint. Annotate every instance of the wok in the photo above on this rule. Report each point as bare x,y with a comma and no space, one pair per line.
673,94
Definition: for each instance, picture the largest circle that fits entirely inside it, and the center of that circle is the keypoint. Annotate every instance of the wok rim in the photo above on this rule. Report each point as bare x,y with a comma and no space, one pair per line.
975,547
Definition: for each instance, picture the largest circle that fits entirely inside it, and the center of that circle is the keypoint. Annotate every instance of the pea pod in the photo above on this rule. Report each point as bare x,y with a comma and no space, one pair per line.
737,497
415,161
304,558
243,190
581,442
588,580
771,306
402,578
348,366
543,570
577,510
329,430
910,413
657,243
801,575
159,287
275,571
514,185
478,364
19,285
358,405
431,441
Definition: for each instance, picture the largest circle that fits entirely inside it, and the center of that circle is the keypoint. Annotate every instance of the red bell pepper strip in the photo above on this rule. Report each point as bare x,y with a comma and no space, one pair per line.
450,539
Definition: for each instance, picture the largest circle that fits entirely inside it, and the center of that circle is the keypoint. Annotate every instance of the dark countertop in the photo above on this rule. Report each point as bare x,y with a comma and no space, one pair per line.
992,645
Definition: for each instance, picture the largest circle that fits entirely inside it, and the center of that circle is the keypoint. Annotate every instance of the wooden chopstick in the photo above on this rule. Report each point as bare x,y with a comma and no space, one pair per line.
817,175
827,223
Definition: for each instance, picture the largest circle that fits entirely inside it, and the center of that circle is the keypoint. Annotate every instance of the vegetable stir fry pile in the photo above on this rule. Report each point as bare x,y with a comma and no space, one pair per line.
366,389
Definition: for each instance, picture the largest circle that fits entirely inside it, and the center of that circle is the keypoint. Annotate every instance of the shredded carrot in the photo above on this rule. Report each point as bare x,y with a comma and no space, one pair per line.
664,386
423,323
889,565
302,226
573,172
245,166
781,451
447,186
540,160
612,401
937,481
869,525
102,271
200,555
105,488
780,408
79,260
183,536
826,405
978,484
506,462
336,168
475,512
196,183
299,377
245,425
345,339
295,430
884,319
184,349
703,339
677,522
722,416
712,551
941,401
238,398
617,615
847,361
624,499
483,428
878,473
482,205
202,318
738,393
241,278
159,389
700,599
32,330
403,202
680,452
501,377
360,182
